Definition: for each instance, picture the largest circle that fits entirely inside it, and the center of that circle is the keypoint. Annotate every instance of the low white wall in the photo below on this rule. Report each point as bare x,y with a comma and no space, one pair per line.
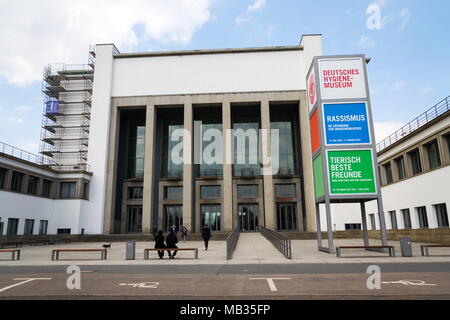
59,213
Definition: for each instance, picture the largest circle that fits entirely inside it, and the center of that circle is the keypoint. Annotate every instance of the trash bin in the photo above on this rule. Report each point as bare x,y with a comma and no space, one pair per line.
130,250
405,246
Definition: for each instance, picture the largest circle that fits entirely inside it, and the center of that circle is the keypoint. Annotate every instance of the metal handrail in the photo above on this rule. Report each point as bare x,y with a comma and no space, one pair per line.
435,111
232,240
24,155
279,241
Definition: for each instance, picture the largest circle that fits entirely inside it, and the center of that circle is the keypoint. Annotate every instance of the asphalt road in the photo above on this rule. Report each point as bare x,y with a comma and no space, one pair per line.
301,281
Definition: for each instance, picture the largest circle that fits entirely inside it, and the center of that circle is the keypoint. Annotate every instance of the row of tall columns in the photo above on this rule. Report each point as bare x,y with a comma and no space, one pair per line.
188,187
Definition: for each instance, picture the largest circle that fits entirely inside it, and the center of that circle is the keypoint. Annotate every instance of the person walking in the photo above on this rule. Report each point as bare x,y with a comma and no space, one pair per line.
184,231
159,243
206,235
171,243
173,229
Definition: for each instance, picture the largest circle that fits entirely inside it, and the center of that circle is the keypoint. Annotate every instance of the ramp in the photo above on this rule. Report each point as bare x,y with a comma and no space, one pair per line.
254,247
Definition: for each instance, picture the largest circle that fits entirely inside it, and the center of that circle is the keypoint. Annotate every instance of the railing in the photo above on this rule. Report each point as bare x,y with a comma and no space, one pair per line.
24,155
232,240
282,243
438,109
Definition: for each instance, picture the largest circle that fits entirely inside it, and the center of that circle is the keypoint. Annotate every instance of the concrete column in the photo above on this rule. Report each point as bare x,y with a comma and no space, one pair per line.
227,191
187,166
148,169
269,200
95,211
308,178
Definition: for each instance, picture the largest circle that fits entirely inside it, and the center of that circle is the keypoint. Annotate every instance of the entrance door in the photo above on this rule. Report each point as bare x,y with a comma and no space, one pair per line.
173,215
248,217
286,216
134,221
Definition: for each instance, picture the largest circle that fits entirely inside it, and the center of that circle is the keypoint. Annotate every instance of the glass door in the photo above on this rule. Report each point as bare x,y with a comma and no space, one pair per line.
173,215
248,217
134,221
286,216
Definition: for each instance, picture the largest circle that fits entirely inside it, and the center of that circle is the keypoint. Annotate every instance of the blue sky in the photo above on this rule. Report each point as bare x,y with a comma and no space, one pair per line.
410,52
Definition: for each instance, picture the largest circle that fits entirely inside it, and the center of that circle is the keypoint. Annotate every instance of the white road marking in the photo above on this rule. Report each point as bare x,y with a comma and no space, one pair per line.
270,282
26,280
410,283
147,285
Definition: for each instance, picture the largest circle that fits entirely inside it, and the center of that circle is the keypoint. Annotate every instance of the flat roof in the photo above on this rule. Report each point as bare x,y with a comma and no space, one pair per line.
206,51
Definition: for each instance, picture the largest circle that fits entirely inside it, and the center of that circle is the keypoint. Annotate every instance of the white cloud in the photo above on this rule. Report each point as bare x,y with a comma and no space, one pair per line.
35,33
15,120
366,43
255,6
426,91
385,129
23,108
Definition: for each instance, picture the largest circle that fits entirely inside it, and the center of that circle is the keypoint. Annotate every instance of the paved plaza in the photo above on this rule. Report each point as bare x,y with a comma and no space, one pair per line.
252,248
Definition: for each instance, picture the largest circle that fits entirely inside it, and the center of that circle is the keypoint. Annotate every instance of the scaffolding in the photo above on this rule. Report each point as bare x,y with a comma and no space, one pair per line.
65,129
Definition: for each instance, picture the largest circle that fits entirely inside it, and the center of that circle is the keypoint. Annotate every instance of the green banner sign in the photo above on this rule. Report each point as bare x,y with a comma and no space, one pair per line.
319,188
351,172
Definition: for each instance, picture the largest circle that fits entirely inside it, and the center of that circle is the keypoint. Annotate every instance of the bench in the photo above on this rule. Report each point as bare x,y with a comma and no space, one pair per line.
391,249
55,252
16,244
424,248
146,251
15,253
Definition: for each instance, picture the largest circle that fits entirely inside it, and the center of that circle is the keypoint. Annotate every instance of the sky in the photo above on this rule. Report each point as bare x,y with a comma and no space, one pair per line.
409,45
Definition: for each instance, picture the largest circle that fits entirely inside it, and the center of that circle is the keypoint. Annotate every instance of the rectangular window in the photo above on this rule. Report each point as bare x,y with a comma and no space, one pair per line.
13,225
86,191
209,167
63,231
393,216
416,165
422,215
32,185
135,193
247,191
441,215
209,192
285,124
136,147
406,218
43,226
388,171
173,193
3,173
434,156
1,228
373,224
171,169
47,188
29,227
246,146
17,181
400,162
285,190
447,138
210,215
353,226
68,190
